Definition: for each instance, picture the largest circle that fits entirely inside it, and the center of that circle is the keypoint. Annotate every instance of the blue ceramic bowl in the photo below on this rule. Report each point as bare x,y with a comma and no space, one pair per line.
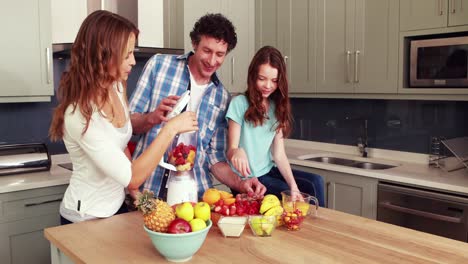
178,247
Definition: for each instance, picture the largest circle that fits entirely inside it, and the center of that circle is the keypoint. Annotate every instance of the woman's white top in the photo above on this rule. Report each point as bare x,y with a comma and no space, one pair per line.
101,170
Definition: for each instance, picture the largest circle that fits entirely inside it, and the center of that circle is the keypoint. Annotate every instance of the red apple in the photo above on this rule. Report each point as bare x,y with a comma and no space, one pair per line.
179,226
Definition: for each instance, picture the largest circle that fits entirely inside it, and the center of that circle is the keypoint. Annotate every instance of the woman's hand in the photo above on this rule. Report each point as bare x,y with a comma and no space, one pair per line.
185,122
240,162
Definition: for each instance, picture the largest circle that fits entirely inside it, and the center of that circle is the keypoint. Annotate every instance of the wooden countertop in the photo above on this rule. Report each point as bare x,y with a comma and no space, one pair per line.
332,237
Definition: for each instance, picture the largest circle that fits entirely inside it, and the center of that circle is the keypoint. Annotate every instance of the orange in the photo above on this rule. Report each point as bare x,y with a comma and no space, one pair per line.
211,196
229,201
225,195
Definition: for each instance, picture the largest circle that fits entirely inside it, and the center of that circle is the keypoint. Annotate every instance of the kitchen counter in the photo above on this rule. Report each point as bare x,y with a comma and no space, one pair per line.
332,237
25,181
412,168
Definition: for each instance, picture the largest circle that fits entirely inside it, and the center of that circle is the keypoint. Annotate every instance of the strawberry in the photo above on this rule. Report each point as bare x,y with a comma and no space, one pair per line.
217,209
232,209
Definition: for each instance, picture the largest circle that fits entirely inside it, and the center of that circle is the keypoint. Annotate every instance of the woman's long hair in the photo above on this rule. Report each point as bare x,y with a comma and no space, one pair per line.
96,56
256,113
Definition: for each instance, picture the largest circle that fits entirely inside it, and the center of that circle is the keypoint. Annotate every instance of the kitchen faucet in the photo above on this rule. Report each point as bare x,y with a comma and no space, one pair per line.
362,141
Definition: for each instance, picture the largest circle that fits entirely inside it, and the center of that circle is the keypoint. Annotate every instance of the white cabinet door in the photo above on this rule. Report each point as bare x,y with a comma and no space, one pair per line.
234,70
423,14
290,27
458,12
357,46
376,40
348,193
65,25
335,46
26,68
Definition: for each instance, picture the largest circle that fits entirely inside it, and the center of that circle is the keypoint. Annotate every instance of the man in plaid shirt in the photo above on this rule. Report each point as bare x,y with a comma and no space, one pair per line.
165,78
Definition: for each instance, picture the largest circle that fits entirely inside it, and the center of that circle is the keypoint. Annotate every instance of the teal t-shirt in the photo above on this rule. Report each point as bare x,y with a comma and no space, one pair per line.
256,141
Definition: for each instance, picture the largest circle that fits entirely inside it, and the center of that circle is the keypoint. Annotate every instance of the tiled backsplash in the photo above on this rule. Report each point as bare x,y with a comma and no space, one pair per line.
405,125
392,124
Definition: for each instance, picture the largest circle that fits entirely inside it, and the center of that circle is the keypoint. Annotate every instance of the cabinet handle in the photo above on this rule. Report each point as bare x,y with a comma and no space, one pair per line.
402,209
103,4
44,202
328,191
232,70
356,66
452,4
440,5
48,65
348,58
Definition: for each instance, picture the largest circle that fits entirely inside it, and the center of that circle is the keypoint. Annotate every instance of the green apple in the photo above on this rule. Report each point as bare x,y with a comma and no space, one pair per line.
202,210
185,211
197,224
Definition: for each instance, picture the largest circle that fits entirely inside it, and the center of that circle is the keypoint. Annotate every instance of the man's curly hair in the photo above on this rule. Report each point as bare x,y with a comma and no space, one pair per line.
216,26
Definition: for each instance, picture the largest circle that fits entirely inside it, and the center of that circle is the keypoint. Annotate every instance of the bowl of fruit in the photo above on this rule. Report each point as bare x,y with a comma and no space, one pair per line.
176,232
262,225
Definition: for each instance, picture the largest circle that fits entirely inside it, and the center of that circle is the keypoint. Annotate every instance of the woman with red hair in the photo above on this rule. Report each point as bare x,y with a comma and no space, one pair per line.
259,120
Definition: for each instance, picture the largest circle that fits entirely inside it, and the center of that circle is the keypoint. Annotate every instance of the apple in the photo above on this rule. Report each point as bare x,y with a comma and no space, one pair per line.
202,210
185,211
197,224
179,226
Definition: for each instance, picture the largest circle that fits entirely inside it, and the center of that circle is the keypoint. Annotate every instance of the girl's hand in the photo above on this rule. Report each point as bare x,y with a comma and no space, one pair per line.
185,122
296,195
240,162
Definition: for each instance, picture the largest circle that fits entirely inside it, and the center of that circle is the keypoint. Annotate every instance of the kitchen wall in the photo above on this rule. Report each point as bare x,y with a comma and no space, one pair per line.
405,125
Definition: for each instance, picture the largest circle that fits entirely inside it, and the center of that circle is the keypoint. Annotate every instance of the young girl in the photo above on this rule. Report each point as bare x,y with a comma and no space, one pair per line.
258,123
93,120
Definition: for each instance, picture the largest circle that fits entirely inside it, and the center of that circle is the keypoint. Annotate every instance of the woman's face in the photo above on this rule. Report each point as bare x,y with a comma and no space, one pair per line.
128,59
267,80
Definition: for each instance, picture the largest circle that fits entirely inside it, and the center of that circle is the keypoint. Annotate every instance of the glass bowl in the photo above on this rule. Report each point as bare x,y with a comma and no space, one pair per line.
232,226
262,225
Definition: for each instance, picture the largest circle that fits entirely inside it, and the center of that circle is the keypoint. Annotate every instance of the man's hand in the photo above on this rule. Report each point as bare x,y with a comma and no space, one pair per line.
252,185
159,115
142,123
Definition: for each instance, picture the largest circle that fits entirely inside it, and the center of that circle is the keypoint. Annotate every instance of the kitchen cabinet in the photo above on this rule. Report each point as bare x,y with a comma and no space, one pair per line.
233,72
67,15
23,217
160,21
357,46
290,26
26,68
348,193
423,14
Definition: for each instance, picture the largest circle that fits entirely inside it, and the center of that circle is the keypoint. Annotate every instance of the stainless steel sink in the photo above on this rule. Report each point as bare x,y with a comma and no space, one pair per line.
332,160
352,163
371,166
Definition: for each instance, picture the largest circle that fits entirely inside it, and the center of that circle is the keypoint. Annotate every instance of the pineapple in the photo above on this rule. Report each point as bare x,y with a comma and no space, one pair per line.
157,214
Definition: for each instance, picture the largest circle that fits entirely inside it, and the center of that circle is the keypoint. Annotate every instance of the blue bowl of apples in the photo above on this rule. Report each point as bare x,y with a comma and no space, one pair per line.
178,247
185,234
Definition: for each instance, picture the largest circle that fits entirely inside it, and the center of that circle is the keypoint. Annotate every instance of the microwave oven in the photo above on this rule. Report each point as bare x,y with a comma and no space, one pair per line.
439,62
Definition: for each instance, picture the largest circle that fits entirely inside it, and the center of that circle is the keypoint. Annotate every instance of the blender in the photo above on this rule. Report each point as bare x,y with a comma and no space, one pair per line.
181,185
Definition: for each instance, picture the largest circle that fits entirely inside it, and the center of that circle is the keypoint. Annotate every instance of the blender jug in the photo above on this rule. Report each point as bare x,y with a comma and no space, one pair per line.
181,185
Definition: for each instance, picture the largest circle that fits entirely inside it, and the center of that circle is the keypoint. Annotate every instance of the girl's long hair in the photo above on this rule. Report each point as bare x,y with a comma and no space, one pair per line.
256,113
96,56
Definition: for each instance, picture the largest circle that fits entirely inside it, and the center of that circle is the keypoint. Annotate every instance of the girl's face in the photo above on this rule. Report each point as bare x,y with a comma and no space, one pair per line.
267,80
128,59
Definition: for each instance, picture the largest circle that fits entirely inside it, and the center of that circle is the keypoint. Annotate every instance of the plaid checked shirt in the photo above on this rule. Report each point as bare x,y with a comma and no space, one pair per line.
166,75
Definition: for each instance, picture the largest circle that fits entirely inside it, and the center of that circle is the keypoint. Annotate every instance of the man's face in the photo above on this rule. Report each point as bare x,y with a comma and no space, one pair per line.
209,56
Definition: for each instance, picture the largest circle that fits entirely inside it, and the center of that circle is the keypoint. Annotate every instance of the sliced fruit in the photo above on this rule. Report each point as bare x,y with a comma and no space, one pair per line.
225,195
268,204
211,196
229,201
270,198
